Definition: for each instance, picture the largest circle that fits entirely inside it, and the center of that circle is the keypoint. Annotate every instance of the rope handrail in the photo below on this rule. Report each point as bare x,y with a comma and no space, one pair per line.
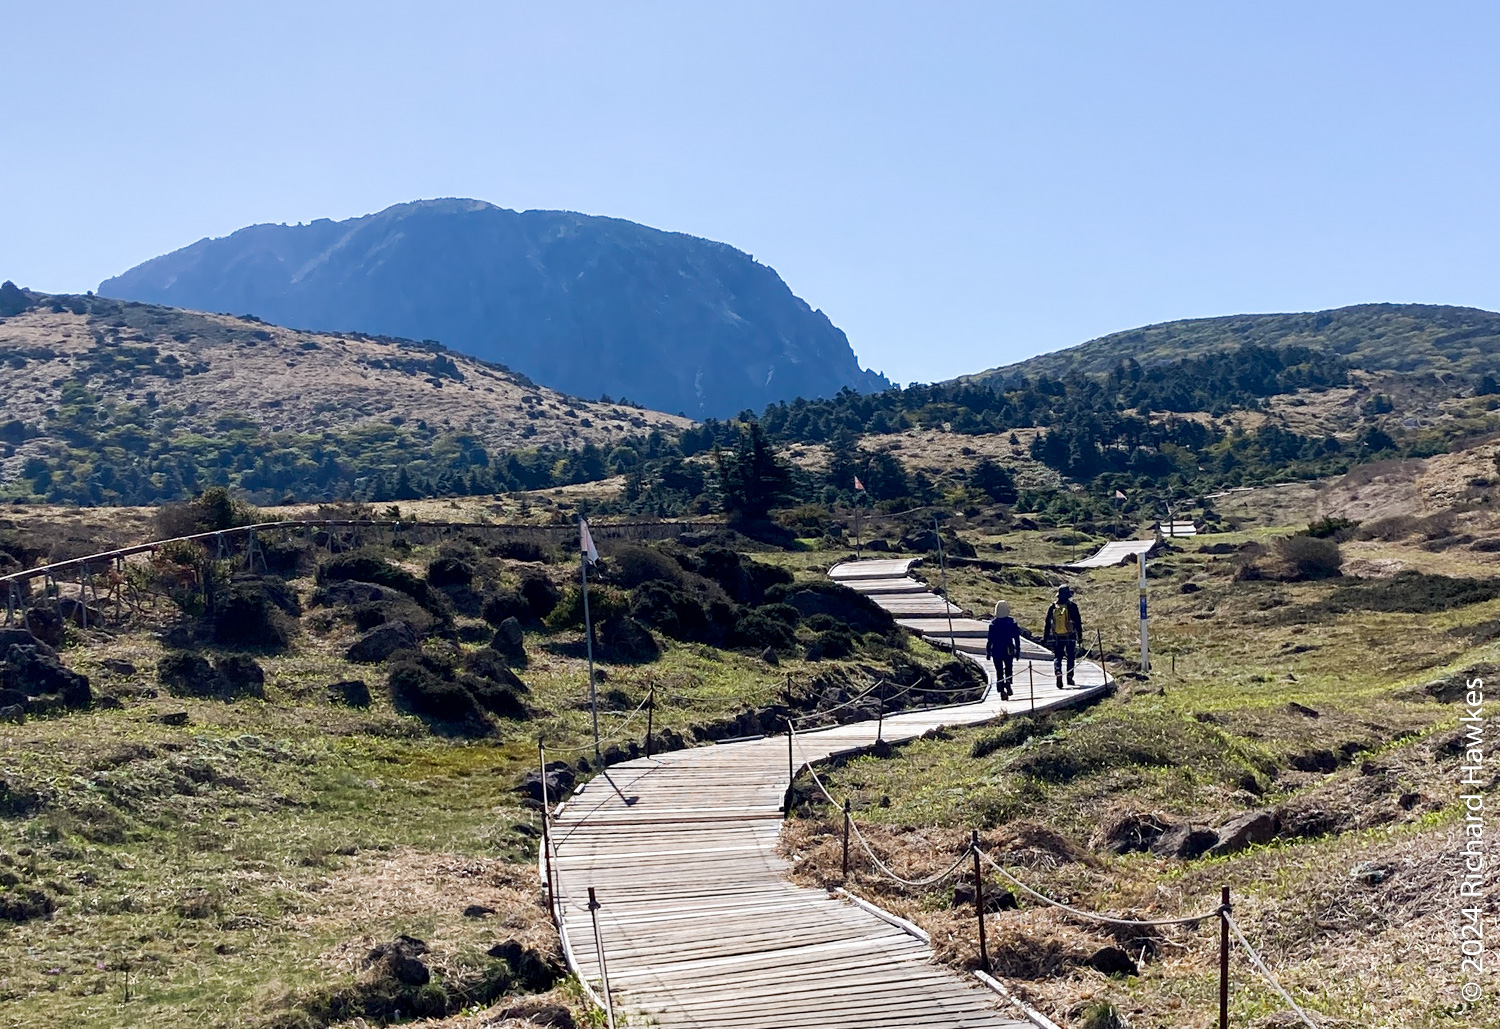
1091,915
848,703
617,734
1260,966
880,865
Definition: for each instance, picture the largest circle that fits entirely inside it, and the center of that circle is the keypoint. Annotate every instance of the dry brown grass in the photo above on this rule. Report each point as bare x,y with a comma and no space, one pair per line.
304,381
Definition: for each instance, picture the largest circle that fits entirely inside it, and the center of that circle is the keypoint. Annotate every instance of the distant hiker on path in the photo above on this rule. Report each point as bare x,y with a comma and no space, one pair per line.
1003,647
1061,632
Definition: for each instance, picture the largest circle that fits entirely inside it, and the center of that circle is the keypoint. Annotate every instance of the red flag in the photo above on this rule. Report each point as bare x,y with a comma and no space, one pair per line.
859,485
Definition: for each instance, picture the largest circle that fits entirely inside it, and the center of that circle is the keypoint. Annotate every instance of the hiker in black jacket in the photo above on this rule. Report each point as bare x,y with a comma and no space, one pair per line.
1061,633
1003,647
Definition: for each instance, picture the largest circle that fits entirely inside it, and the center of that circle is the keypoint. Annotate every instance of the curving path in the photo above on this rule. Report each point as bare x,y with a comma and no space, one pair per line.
700,926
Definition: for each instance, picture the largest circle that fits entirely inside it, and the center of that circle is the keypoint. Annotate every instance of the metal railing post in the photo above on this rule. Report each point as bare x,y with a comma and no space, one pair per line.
1031,678
650,716
984,954
791,773
1224,958
541,758
846,839
609,1002
1099,641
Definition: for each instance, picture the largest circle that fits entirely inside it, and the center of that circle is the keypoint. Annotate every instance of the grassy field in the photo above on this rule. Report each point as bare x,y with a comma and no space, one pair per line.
236,863
1265,695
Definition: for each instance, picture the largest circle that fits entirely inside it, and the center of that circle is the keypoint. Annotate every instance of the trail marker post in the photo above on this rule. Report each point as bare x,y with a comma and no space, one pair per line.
984,954
943,570
846,839
1145,644
1224,959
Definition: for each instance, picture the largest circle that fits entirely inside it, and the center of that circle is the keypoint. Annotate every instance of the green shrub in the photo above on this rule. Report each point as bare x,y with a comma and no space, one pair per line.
255,612
759,630
369,566
503,604
424,685
1302,558
605,602
449,570
540,593
671,611
631,565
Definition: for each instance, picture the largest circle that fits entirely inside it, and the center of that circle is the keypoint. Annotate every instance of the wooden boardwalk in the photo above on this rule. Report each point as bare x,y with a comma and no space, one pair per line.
700,926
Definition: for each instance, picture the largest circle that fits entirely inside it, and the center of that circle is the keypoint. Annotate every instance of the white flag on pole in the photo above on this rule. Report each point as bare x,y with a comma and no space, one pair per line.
586,541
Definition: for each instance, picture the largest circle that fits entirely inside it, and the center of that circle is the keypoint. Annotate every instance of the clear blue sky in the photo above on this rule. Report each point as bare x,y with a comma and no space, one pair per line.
956,185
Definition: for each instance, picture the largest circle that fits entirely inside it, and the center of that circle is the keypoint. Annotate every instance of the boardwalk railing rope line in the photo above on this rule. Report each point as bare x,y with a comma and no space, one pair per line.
1222,912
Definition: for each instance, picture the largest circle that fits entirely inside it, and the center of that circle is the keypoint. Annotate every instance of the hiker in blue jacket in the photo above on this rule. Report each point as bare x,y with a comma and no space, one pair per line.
1061,633
1003,647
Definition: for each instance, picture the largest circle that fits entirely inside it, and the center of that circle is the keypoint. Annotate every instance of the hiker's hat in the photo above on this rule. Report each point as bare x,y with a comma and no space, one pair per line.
1002,609
1064,592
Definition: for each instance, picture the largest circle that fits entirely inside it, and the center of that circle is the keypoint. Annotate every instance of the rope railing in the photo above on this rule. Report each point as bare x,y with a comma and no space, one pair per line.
852,831
1260,966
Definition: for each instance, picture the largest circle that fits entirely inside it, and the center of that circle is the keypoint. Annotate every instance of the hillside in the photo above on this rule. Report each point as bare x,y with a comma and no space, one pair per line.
591,306
111,401
1376,337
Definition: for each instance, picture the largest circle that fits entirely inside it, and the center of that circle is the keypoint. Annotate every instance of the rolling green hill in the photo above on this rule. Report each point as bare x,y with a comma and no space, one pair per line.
1375,337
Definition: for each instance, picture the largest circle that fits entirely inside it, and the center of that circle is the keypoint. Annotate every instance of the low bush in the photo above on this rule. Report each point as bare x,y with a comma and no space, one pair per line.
1302,558
503,604
540,593
449,570
215,509
759,629
367,565
255,611
672,611
1412,593
854,610
605,602
423,685
1149,740
631,565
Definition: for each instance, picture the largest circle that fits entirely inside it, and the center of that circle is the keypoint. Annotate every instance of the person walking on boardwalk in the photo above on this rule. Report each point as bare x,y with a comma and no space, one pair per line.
1061,633
1003,647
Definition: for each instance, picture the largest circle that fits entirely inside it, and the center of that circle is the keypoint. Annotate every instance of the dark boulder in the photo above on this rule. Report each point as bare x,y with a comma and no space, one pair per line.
532,970
34,670
1135,832
177,719
560,780
1113,961
1247,830
46,625
626,641
503,605
509,642
13,713
450,571
17,800
115,666
401,960
351,592
878,546
1185,843
1316,760
381,642
22,637
23,905
186,674
242,676
349,693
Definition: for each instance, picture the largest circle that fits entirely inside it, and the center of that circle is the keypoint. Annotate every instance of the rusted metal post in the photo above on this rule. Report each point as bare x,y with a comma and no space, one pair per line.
791,773
879,715
541,760
1224,959
984,953
846,839
609,1002
650,716
1099,640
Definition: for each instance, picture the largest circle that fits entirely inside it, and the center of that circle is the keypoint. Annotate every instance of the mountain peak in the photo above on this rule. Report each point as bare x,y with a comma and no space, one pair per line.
590,305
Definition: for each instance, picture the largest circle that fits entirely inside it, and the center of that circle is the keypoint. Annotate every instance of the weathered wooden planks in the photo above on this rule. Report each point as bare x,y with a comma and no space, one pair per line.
699,924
